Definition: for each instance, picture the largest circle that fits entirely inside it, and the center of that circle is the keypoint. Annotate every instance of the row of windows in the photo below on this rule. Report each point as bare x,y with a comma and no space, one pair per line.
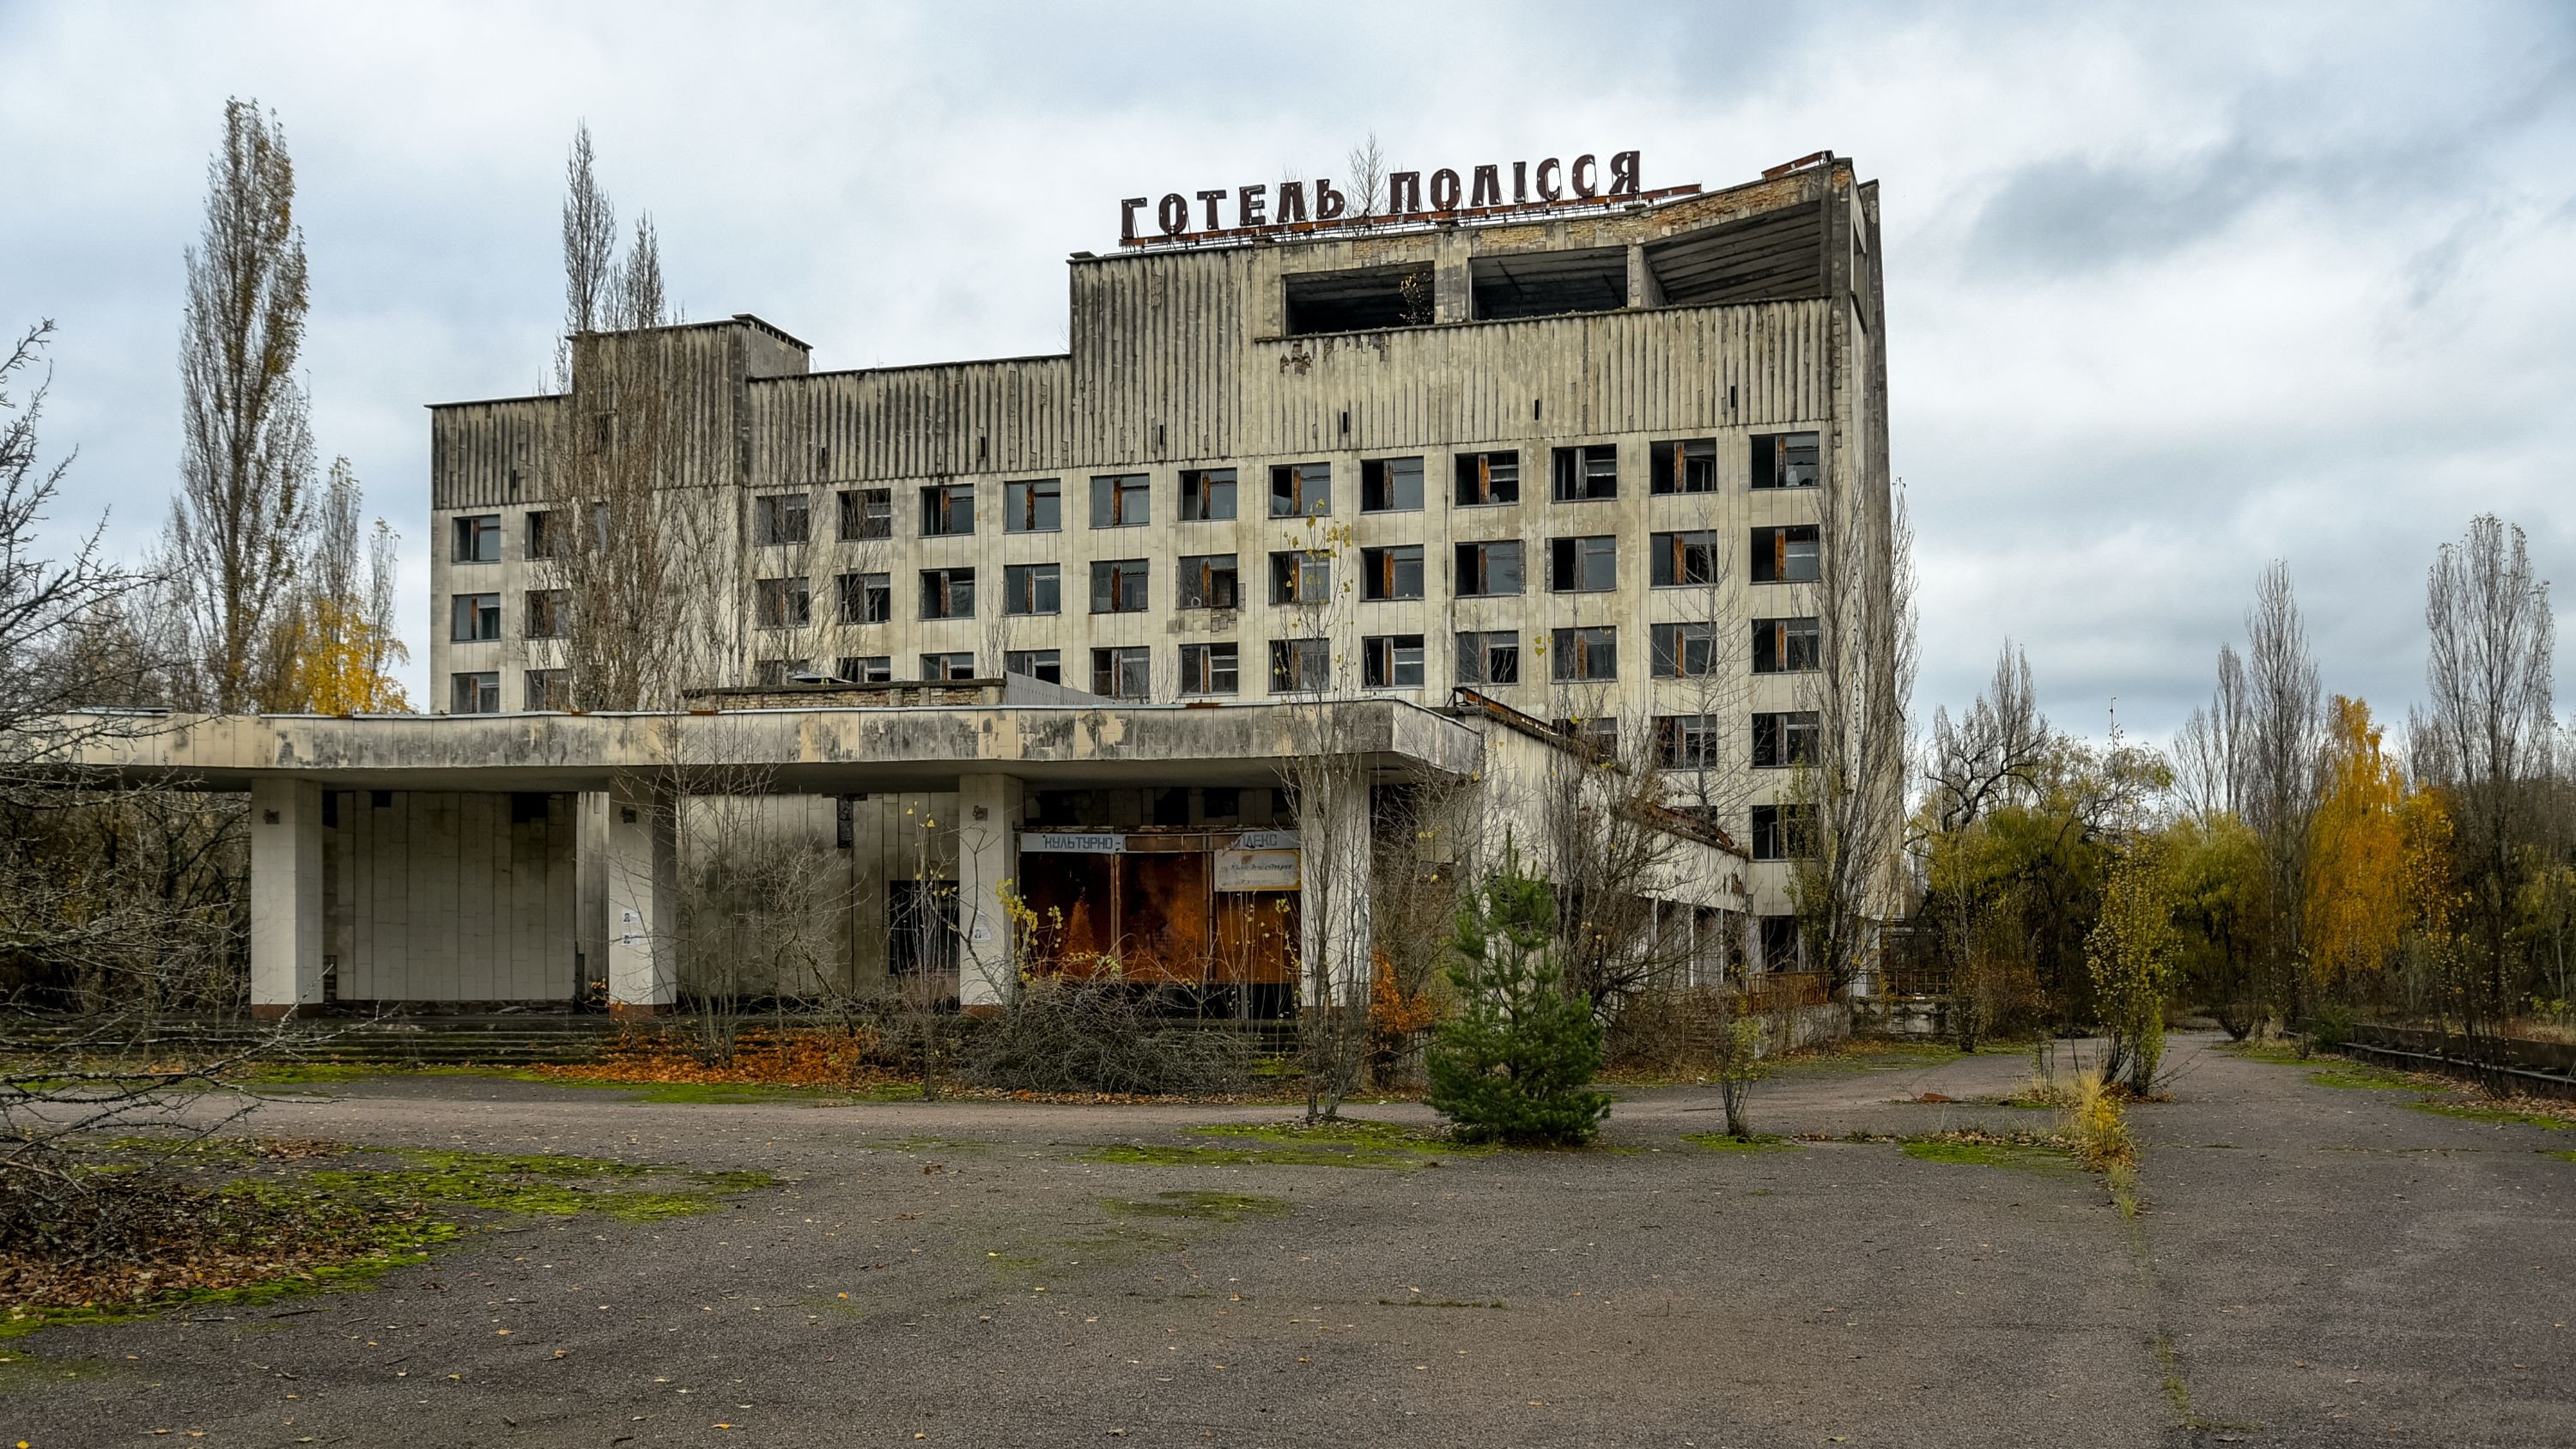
1585,473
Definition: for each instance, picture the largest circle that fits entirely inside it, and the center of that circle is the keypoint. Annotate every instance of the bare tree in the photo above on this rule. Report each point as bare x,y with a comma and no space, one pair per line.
1994,755
2284,733
589,249
237,529
2487,730
1848,801
1368,178
2209,750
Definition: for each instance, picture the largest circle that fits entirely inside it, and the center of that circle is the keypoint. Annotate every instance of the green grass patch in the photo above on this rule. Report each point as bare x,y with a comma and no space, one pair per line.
542,1185
20,1371
2361,1077
1216,1207
2023,1156
2561,1156
2500,1116
1759,1142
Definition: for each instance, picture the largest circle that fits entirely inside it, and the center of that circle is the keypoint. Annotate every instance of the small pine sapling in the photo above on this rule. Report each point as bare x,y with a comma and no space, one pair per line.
1515,1063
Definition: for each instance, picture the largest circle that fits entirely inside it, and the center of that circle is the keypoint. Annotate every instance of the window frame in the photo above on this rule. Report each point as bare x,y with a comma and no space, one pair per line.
469,536
1771,467
1195,581
1382,479
1573,478
1672,553
1045,665
771,601
1575,642
1382,573
1784,739
1291,659
949,582
1694,460
941,666
1474,474
865,597
775,524
1484,645
1204,664
1200,490
1118,659
1300,501
1671,646
866,514
1021,500
1110,496
1782,639
1382,661
480,681
1771,563
466,615
1572,546
939,502
1471,562
1291,568
1032,579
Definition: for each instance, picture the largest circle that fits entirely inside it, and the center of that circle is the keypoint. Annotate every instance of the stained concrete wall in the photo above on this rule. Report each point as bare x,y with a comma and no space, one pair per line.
441,896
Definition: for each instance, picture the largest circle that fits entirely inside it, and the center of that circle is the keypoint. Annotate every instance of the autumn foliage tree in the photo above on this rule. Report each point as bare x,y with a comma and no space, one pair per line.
2356,903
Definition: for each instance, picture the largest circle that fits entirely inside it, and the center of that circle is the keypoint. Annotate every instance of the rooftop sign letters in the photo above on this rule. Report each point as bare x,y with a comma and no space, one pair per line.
1301,206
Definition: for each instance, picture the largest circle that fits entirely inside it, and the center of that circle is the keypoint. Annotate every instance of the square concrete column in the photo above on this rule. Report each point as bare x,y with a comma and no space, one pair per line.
988,860
285,895
643,888
1335,843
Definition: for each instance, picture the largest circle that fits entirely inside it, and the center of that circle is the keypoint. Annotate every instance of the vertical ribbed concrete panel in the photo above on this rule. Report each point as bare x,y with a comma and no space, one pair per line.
285,895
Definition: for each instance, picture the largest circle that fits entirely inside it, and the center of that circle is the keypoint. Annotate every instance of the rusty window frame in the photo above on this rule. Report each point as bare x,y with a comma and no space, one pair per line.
780,519
1214,668
1202,491
1689,741
942,666
1046,665
1386,485
865,668
1477,562
1787,460
1387,571
1684,651
1773,554
866,513
1033,505
1574,559
1687,558
1682,466
1032,589
948,593
1391,661
866,598
1584,473
1122,500
1119,585
1123,671
1787,645
1486,480
1490,656
947,510
1583,655
1301,490
1207,581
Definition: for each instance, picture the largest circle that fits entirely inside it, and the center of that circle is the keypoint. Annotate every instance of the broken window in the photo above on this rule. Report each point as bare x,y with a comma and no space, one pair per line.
1686,558
1391,485
1206,494
1783,739
774,672
1033,588
1580,475
1687,741
1485,478
948,593
1392,573
544,535
1492,657
1549,284
1584,654
1779,935
778,518
1688,465
1391,661
475,617
1301,490
1359,299
1118,586
1300,666
1785,460
1583,565
1785,555
867,598
1599,733
1034,506
1120,501
1040,664
1208,668
1489,568
1685,651
921,928
865,668
947,510
781,603
475,693
548,689
1301,576
1207,581
1785,646
1126,672
867,513
478,539
940,668
549,612
1779,832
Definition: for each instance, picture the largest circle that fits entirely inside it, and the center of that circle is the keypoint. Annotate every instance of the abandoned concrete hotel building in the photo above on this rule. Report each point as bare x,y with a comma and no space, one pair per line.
1504,483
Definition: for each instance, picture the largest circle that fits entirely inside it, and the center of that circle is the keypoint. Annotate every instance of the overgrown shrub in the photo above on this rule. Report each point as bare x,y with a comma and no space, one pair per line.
2330,1026
1514,1064
1067,1035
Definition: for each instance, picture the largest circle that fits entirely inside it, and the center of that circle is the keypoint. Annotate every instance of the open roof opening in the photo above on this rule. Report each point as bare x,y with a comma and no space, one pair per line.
1550,284
1362,299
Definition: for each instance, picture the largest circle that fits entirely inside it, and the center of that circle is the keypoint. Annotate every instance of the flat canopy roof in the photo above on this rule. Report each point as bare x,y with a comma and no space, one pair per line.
784,751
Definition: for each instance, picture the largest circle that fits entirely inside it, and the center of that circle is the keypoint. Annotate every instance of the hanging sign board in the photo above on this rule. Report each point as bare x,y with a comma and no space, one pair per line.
1256,870
1072,842
1267,840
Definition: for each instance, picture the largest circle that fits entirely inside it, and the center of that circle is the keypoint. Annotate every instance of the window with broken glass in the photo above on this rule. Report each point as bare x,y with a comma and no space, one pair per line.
1684,465
866,598
1489,657
1118,585
1207,581
1209,668
1488,478
1786,460
1576,655
1683,559
1391,573
1585,474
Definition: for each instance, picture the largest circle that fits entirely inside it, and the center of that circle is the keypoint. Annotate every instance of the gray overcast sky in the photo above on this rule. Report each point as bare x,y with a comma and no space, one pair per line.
2172,290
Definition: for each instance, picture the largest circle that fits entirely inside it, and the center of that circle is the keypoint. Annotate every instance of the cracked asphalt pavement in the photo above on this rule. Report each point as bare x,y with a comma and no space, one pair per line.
2314,1266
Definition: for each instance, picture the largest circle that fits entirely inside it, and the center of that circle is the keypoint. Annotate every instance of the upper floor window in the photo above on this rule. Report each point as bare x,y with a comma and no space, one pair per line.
1392,573
1785,555
1786,646
1034,506
1684,651
1583,565
545,535
478,539
948,593
1300,666
1489,568
939,668
474,617
867,598
1686,558
1301,576
867,513
1576,655
549,612
1786,460
1207,581
478,692
1780,833
1685,465
1688,741
1118,585
1033,588
1391,485
1044,664
947,510
1783,739
1488,478
781,603
780,518
1391,661
548,689
1491,657
1206,493
1121,500
1585,473
1125,672
1301,490
1210,668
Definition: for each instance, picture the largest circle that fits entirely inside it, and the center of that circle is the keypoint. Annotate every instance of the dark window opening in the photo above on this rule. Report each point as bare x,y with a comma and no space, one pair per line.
779,518
1785,460
1585,474
1688,741
1779,832
1207,494
867,513
1489,658
1549,284
947,510
867,598
478,539
1207,581
1392,573
475,693
1785,646
1391,485
1034,506
1583,565
1301,576
1300,666
939,668
1362,299
1041,664
1488,478
1033,588
948,593
1209,668
1118,586
1580,655
475,617
1686,558
1486,569
1391,661
549,612
1126,672
1783,739
1685,651
865,668
1685,466
1301,490
1785,555
1122,500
